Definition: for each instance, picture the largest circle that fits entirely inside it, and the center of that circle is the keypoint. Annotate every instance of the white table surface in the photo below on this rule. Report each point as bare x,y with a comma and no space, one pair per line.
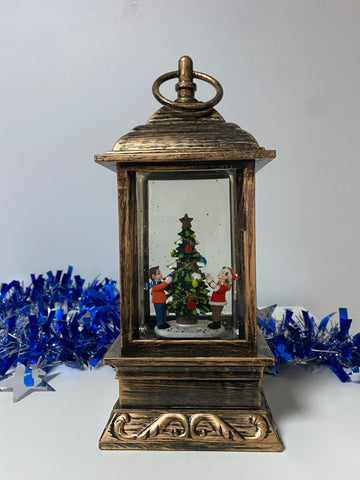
54,435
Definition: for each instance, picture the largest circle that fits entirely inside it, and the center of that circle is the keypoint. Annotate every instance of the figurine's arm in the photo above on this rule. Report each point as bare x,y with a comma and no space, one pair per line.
163,285
160,286
210,280
209,277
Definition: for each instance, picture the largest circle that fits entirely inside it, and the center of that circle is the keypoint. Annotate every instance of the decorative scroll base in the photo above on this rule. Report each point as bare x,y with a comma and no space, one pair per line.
185,429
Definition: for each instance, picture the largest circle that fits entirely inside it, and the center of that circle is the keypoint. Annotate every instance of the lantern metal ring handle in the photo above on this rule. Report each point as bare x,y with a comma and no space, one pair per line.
186,88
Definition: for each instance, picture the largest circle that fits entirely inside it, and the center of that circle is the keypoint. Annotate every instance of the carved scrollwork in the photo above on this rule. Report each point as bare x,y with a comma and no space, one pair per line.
118,426
201,426
175,423
261,427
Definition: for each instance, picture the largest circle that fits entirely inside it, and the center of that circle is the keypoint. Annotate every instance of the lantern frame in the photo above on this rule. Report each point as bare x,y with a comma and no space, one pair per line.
184,137
129,157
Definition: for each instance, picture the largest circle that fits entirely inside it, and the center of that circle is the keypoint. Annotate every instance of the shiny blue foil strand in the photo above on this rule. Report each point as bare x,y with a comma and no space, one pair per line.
298,339
57,320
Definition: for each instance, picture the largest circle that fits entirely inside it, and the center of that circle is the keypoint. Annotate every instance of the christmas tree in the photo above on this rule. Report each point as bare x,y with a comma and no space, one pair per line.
188,293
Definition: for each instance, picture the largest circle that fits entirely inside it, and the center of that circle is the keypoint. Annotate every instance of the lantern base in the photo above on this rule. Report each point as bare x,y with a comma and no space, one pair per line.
192,429
191,403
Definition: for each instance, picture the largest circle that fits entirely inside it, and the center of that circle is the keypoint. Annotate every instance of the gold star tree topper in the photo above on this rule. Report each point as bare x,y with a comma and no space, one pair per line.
186,221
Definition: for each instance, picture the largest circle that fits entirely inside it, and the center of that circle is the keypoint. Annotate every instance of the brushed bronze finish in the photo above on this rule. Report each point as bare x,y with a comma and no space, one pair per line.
186,88
173,141
191,426
189,394
227,429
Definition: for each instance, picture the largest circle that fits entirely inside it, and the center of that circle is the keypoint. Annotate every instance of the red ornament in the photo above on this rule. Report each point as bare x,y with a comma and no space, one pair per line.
188,248
191,305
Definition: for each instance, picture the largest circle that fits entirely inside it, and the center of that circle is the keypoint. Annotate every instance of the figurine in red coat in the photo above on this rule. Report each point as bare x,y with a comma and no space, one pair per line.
158,285
217,301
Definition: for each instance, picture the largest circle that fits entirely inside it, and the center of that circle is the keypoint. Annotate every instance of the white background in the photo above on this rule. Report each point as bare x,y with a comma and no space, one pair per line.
54,435
75,76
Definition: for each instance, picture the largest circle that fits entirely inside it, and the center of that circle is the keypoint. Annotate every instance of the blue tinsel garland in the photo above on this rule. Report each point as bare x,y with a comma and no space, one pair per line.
298,339
56,320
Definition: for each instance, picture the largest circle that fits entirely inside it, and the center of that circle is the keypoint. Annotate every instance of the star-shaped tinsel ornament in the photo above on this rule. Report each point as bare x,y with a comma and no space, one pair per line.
24,381
186,221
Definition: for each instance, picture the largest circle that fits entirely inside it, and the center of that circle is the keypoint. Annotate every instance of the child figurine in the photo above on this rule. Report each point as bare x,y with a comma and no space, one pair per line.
217,301
158,285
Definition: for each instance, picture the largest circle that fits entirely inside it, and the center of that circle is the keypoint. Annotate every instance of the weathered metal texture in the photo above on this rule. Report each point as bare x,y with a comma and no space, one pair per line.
186,129
192,429
244,264
215,385
170,137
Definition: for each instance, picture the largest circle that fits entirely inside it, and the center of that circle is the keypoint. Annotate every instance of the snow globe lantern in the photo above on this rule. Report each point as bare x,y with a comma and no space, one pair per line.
189,359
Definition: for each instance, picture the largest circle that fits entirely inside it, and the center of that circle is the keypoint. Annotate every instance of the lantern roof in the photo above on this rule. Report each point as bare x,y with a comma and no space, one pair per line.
186,130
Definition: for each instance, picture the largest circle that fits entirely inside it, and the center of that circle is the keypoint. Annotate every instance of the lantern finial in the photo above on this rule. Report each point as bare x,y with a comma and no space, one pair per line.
186,87
186,102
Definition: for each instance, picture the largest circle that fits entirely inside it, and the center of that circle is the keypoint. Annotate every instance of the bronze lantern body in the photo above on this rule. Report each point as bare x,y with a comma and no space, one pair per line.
176,393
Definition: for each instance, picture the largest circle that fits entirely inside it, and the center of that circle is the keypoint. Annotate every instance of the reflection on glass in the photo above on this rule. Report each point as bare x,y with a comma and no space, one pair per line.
187,282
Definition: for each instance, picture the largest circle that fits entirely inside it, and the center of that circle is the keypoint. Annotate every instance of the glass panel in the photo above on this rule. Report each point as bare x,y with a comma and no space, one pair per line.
187,282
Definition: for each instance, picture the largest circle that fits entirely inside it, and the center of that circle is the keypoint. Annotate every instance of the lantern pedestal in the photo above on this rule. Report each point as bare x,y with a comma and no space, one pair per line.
193,403
200,387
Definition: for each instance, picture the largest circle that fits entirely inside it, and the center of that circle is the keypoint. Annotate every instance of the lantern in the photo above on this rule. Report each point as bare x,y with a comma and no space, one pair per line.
189,359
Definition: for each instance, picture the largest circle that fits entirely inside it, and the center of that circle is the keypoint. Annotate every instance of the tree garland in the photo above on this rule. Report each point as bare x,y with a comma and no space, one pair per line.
184,266
188,295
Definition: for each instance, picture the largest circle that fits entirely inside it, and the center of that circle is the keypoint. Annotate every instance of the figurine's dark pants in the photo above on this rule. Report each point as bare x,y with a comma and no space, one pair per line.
160,310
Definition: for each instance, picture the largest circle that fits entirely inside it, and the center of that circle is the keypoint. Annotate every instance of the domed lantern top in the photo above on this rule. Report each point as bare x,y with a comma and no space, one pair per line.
186,129
189,346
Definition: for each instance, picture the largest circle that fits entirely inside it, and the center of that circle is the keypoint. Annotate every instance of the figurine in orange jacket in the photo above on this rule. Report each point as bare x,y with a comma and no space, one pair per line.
217,301
158,285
